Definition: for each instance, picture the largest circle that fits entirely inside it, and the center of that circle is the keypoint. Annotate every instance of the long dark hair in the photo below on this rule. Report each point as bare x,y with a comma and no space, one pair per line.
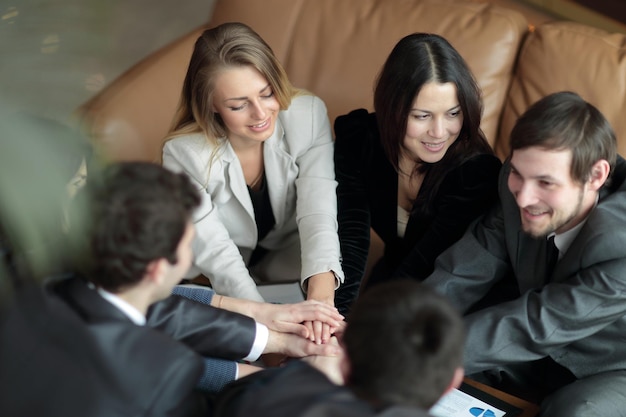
418,59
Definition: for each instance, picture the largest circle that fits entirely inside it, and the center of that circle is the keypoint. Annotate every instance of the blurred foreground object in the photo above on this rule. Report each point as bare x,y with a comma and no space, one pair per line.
40,161
43,341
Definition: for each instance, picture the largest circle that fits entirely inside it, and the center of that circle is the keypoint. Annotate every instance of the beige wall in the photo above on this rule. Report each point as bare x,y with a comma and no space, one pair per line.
57,53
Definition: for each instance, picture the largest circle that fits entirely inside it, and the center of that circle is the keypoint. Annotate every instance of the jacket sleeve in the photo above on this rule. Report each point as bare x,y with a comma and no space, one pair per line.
216,255
467,270
466,193
316,204
570,318
207,330
217,373
352,138
202,295
541,322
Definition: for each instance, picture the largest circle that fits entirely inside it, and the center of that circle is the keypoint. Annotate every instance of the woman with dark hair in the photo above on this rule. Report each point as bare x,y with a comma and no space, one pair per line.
417,171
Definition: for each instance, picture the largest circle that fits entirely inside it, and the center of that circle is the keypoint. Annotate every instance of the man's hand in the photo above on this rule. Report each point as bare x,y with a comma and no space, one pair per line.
329,365
297,347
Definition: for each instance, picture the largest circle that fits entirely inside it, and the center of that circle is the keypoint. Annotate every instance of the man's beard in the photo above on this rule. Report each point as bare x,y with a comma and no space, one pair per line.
556,224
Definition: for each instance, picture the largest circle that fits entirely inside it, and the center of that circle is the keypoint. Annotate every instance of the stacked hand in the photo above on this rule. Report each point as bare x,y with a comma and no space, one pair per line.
321,287
296,318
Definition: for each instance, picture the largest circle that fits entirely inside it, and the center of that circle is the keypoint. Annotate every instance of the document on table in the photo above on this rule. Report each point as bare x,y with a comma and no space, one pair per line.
458,403
282,293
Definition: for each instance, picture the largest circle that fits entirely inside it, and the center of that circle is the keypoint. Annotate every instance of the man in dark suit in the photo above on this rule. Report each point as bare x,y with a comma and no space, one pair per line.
113,342
561,338
403,350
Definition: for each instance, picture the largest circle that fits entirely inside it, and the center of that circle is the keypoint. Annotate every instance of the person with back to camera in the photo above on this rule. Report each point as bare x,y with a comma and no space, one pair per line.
414,359
561,340
260,151
418,170
129,346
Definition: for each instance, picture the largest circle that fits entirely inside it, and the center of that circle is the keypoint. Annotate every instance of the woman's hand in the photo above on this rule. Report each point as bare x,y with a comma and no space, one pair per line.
285,318
292,318
321,287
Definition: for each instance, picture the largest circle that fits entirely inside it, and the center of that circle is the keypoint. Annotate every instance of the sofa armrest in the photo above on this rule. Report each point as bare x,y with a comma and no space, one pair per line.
130,117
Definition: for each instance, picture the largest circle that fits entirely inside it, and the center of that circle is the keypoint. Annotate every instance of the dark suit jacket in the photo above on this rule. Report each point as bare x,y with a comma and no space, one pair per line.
367,194
67,351
297,390
577,316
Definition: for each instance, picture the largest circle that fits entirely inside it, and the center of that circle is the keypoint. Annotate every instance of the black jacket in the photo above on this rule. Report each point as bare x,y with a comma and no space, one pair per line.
297,390
65,351
368,197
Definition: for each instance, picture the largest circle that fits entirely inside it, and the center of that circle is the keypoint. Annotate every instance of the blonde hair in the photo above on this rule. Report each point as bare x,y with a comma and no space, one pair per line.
225,46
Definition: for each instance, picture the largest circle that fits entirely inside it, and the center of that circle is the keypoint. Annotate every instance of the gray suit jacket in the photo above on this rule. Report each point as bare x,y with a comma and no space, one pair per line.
578,318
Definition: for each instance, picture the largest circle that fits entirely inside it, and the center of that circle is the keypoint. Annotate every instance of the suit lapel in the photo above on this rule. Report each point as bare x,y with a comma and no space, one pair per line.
278,172
234,177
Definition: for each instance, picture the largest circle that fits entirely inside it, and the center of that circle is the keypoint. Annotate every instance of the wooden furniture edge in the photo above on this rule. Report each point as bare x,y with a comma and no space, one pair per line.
528,409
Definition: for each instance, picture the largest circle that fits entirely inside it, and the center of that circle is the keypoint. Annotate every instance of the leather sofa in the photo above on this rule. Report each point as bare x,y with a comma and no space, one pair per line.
335,48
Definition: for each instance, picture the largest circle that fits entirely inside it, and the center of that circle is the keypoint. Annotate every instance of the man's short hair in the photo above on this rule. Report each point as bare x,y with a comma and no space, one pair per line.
404,343
564,120
138,213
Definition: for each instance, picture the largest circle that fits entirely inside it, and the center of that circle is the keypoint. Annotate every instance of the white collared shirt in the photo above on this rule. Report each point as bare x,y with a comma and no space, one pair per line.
131,311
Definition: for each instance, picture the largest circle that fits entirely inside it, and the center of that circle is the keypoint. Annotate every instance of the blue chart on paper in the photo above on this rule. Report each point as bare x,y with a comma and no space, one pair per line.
480,412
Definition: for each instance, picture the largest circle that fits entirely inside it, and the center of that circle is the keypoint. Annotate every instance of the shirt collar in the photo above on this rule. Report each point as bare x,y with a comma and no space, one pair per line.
129,310
564,240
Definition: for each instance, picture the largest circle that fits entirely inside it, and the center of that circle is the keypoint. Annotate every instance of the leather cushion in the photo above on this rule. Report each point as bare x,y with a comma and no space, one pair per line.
336,48
569,56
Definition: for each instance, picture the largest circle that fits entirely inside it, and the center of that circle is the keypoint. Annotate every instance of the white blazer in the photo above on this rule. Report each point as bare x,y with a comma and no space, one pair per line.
300,174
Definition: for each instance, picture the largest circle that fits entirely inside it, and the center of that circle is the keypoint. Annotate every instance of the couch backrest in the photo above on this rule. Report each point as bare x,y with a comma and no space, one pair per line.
335,48
569,56
128,120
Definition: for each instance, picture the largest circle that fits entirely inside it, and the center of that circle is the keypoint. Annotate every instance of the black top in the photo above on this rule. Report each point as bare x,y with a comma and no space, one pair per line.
263,215
368,197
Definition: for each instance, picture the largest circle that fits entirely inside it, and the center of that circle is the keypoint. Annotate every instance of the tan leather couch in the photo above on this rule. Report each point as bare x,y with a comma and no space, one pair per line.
335,48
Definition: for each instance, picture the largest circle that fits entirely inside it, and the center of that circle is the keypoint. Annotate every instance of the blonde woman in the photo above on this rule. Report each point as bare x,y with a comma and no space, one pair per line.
261,152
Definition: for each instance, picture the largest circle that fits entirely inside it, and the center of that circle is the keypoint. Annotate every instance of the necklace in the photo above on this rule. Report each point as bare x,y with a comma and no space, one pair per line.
257,180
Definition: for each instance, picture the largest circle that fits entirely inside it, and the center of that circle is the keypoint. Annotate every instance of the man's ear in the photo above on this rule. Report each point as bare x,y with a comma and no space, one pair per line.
599,174
155,272
456,380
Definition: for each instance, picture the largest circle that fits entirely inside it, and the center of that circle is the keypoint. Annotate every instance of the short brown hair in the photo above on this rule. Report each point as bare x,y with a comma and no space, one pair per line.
564,120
